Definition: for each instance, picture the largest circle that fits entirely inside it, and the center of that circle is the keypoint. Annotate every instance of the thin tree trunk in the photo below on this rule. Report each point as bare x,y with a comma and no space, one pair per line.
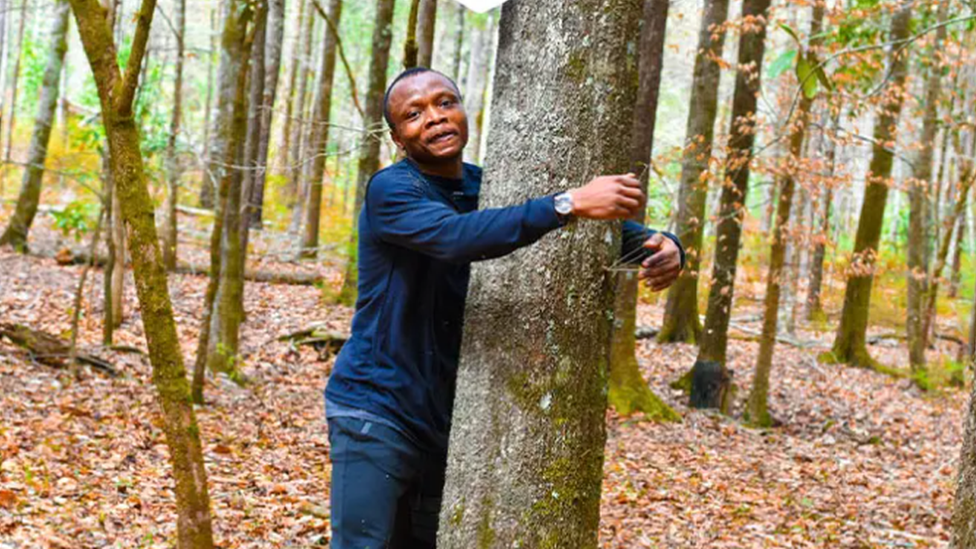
628,392
4,20
458,42
474,90
410,43
850,345
12,117
425,32
757,407
227,314
526,453
173,166
118,266
30,189
272,61
295,140
296,49
208,102
255,102
369,160
320,134
956,276
918,196
814,290
108,324
116,92
713,377
681,321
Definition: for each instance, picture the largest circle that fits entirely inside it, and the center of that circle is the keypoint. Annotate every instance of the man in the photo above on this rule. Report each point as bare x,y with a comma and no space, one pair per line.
390,396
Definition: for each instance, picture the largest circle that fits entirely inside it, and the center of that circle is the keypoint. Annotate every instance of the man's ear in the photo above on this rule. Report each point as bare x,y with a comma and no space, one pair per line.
396,138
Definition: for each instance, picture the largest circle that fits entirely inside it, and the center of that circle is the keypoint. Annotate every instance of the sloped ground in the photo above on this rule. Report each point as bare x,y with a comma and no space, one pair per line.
862,460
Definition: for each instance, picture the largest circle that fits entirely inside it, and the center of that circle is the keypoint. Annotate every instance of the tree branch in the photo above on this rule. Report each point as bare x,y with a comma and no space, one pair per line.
130,81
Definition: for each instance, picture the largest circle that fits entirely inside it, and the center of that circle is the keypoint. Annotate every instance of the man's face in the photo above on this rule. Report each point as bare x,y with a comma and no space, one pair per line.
429,121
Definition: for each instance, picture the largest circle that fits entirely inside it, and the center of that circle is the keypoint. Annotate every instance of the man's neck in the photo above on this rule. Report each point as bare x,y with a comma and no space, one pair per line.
453,169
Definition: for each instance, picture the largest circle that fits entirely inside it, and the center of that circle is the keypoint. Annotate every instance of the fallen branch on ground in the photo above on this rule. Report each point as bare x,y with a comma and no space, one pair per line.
49,349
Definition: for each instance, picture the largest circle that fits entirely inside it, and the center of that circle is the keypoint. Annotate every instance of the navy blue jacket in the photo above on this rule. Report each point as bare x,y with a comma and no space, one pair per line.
418,235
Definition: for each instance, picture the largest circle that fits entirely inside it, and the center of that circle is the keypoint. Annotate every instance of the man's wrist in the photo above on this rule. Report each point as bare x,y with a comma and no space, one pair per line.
564,206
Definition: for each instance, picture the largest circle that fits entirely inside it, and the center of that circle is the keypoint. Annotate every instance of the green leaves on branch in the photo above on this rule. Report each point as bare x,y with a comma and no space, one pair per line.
809,73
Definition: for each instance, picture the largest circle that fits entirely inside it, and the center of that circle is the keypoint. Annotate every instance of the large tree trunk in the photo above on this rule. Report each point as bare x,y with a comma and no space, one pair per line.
628,391
918,193
425,32
757,409
272,62
16,77
681,321
369,159
711,378
850,344
30,189
319,139
228,311
116,92
172,162
526,452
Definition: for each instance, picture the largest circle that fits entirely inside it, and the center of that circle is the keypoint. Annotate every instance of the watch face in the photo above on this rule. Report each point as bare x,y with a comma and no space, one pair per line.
564,204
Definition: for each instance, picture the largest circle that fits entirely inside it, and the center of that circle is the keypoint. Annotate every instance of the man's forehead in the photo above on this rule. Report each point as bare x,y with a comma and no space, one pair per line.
420,84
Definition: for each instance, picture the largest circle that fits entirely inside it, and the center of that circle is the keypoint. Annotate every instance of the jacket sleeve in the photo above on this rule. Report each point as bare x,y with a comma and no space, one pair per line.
400,212
633,237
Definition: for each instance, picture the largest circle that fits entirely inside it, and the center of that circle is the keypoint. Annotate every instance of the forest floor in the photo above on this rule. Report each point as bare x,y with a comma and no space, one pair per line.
861,460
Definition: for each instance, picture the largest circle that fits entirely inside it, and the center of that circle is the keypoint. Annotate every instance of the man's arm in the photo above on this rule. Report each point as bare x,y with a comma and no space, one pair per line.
401,213
659,254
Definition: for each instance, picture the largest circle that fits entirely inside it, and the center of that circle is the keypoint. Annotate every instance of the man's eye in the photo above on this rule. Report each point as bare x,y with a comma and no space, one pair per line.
447,103
412,114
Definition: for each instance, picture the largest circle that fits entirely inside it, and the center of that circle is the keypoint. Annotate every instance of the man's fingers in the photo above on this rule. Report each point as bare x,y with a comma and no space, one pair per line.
632,192
629,180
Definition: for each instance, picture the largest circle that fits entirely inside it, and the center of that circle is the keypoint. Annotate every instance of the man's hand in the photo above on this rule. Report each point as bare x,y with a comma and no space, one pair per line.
661,269
608,197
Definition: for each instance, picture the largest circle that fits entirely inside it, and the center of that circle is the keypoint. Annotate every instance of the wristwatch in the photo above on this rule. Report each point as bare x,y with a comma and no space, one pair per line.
564,204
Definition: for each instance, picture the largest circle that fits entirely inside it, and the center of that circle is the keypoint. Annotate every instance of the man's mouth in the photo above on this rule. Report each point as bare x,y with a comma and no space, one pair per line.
441,137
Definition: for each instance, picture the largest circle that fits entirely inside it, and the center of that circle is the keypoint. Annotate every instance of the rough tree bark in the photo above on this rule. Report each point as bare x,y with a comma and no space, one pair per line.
116,91
474,88
172,162
850,345
30,188
681,322
526,452
711,379
425,32
757,409
919,206
628,391
369,159
319,138
964,510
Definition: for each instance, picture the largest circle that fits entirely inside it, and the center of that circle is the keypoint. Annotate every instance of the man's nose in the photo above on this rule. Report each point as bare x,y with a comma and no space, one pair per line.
435,116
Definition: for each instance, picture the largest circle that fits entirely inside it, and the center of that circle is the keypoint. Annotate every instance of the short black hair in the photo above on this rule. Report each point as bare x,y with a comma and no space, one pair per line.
413,71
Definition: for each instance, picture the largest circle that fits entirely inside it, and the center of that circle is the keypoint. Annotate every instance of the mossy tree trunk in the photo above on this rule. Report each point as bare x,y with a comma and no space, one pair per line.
757,406
918,237
628,391
681,323
850,345
30,188
369,157
228,304
425,32
526,453
231,78
710,387
116,91
172,160
319,139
